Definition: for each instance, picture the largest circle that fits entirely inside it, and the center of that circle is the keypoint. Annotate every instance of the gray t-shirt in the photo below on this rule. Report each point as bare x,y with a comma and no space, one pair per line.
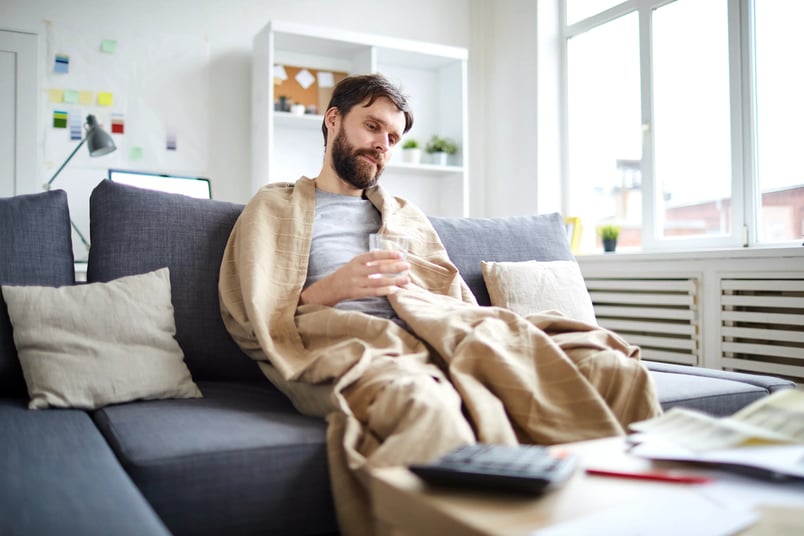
340,232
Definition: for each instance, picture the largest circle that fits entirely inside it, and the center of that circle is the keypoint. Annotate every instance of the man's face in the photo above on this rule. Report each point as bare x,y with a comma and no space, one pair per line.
364,141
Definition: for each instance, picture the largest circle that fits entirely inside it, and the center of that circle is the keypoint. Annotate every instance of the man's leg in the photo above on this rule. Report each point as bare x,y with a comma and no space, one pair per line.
409,410
515,376
400,410
613,367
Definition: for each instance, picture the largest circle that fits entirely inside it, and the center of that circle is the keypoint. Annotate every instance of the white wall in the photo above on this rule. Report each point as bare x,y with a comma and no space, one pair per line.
503,125
213,68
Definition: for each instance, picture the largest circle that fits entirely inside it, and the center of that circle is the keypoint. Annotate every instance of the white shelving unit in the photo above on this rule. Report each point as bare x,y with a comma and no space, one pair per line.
287,146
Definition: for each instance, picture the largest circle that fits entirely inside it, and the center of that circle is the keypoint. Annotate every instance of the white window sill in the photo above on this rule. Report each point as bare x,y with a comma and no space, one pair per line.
769,252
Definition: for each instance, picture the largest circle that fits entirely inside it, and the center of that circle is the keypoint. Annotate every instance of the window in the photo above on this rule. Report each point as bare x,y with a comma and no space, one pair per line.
779,119
682,121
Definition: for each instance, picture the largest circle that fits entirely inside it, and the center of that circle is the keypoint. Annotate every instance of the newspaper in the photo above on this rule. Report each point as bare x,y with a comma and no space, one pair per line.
767,435
773,420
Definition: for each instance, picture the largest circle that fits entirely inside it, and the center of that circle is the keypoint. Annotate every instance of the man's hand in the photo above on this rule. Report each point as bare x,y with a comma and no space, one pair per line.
376,273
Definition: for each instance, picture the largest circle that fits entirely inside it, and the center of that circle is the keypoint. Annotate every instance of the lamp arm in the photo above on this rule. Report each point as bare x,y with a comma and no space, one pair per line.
80,234
47,185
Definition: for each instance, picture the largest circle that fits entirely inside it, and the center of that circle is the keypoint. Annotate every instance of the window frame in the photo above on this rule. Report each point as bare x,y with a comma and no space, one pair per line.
745,191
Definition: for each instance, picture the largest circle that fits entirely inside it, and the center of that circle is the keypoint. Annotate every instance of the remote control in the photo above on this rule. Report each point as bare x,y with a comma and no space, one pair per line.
527,469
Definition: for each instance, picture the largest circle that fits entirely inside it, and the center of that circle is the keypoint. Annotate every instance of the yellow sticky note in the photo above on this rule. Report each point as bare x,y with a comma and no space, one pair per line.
85,97
71,96
105,98
56,95
135,153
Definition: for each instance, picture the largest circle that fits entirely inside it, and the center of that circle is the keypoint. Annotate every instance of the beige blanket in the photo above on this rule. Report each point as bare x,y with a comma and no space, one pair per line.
461,373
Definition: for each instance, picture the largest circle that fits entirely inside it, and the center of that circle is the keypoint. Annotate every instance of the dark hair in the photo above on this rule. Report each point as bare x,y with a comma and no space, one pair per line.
353,90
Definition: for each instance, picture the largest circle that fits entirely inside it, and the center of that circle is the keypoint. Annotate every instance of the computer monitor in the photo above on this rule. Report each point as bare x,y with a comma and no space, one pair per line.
164,182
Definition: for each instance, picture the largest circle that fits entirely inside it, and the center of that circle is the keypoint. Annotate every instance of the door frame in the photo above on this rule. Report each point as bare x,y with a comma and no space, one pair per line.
25,46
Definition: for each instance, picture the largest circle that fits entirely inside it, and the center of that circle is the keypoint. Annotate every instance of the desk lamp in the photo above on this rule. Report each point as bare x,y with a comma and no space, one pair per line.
99,143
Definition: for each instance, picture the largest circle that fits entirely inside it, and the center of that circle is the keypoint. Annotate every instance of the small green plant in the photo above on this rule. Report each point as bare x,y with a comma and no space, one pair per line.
609,232
410,144
441,145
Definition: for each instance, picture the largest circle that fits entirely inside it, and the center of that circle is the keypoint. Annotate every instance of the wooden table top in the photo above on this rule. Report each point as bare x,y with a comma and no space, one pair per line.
404,504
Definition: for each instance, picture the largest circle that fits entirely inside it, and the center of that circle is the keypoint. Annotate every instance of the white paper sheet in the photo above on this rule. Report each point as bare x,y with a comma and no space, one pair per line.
677,512
780,459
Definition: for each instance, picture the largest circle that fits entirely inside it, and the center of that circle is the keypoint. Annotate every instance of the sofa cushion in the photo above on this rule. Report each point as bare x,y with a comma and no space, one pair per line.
517,238
86,346
59,476
35,249
134,230
533,286
718,397
769,384
241,460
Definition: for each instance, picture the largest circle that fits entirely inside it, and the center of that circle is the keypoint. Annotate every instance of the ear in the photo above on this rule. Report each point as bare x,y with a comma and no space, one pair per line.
331,117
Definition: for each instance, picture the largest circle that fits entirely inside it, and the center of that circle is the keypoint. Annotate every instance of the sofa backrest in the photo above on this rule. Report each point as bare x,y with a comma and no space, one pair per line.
469,241
133,230
35,249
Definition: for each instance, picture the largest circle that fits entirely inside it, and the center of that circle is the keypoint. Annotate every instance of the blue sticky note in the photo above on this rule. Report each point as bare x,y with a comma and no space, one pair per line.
62,64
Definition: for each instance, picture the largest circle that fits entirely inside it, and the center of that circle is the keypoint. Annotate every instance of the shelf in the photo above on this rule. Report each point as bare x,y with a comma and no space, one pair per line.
432,75
429,169
287,119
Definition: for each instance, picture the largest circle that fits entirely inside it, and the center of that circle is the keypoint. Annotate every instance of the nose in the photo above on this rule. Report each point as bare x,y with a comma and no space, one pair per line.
382,143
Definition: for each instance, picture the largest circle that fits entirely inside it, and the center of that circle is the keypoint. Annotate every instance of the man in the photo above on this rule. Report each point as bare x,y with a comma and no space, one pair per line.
396,353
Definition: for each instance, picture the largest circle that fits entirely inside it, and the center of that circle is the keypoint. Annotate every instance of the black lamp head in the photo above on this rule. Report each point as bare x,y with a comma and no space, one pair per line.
99,142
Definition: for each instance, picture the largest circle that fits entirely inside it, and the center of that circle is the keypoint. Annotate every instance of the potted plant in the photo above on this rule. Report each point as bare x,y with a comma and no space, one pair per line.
411,151
608,235
440,149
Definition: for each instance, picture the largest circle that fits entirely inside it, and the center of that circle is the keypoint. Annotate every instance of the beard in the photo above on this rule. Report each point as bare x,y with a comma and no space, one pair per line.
353,170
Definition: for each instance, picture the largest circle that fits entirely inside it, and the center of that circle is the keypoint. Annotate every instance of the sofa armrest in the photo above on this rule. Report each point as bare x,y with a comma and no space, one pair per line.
769,383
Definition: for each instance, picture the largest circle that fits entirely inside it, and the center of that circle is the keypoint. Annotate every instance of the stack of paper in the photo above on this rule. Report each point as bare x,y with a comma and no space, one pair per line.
767,436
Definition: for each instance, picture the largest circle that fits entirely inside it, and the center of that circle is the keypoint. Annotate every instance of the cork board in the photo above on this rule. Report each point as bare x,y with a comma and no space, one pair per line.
303,85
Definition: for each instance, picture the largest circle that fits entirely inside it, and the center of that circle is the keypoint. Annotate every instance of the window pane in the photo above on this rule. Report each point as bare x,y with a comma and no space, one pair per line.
780,114
604,129
580,9
691,126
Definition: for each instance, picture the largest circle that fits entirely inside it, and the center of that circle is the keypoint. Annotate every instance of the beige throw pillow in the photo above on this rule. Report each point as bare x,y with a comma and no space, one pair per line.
533,286
86,346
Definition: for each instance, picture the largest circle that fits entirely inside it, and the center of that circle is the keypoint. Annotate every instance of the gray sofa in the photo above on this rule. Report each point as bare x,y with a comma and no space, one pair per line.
240,460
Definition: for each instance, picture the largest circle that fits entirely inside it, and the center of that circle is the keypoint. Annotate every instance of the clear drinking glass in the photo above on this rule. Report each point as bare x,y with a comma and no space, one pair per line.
389,242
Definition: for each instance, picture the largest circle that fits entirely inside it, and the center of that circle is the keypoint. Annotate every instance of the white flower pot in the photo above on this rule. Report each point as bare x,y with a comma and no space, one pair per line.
439,159
411,156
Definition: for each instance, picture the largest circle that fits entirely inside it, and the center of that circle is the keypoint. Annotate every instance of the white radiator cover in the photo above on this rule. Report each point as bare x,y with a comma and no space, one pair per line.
658,314
762,325
739,309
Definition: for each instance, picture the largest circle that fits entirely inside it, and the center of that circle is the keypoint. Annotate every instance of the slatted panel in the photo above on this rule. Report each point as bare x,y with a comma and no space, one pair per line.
762,326
658,314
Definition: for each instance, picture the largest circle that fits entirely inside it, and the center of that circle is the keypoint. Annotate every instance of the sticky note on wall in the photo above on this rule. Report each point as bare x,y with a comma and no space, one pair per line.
61,64
305,78
280,73
75,126
56,95
108,46
105,98
59,119
85,97
135,153
326,79
71,96
118,124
